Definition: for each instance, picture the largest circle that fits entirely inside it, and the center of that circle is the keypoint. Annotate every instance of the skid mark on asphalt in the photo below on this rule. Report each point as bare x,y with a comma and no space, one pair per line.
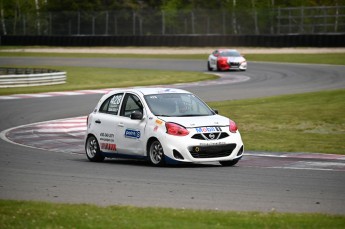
67,136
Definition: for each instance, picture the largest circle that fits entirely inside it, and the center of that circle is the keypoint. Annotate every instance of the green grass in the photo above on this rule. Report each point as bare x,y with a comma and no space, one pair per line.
321,58
29,214
310,122
94,78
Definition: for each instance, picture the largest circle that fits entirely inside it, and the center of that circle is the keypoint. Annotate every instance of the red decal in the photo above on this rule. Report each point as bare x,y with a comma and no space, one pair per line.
108,146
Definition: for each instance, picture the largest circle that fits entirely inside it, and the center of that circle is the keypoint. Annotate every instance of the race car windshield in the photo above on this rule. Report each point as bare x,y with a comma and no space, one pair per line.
230,54
177,105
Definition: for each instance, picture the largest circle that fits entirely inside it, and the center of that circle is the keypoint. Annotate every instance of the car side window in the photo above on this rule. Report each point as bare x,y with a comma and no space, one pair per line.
112,104
131,103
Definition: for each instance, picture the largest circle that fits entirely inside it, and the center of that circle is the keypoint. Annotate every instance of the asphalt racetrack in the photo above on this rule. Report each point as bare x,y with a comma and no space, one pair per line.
36,174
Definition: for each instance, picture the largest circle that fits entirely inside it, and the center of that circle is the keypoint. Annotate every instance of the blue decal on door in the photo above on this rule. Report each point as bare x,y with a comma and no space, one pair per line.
129,133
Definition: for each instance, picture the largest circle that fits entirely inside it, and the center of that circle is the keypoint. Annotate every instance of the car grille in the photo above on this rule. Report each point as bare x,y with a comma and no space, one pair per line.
210,136
211,151
235,64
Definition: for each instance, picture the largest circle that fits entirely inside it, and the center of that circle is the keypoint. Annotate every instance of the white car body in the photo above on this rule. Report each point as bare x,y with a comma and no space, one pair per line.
124,124
226,59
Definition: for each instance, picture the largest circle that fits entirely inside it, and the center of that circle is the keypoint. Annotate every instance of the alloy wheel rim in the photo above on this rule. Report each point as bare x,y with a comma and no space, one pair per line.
92,147
156,153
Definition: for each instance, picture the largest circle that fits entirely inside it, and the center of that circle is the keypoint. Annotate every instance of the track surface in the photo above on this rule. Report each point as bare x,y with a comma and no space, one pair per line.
28,173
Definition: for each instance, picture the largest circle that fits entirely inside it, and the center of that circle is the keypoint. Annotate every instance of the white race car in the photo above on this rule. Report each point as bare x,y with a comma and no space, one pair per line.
161,125
226,59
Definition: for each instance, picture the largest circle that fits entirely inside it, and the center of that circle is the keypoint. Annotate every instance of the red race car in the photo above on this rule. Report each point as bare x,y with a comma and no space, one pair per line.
226,59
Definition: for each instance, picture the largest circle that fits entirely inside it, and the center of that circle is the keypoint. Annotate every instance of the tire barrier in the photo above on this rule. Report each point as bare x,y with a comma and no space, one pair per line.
318,40
26,77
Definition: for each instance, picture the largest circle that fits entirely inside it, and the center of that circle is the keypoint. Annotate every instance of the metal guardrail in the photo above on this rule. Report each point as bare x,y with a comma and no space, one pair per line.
26,77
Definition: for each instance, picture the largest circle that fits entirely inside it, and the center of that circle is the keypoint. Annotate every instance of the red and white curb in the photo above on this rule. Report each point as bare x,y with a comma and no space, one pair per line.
67,136
63,135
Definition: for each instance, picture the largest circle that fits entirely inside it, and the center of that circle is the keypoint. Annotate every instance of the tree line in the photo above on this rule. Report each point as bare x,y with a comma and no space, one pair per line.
14,8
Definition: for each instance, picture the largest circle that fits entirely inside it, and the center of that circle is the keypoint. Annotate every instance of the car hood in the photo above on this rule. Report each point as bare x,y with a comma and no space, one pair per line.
198,121
236,59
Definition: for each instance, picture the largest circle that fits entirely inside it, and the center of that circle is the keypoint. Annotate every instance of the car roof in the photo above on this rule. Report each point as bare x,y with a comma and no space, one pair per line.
227,50
149,90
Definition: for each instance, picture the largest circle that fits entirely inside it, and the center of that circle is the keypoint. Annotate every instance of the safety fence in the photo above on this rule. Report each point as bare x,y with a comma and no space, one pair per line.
316,40
256,21
24,77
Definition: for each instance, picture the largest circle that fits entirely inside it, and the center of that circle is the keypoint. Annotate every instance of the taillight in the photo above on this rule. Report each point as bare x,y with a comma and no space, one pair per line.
232,127
175,129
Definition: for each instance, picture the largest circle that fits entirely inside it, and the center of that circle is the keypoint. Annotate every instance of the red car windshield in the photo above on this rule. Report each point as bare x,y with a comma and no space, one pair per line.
230,54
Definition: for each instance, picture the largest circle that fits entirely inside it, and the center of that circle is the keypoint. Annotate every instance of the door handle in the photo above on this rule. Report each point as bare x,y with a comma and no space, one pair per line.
121,125
98,121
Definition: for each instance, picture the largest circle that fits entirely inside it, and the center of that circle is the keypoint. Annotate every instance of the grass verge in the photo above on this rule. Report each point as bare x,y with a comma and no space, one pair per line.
309,122
79,78
30,214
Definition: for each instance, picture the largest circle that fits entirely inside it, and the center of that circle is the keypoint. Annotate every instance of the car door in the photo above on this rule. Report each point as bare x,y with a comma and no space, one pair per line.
105,123
131,132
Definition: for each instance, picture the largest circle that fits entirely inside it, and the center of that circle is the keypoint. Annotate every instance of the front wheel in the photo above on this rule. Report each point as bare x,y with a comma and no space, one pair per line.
156,153
218,68
209,66
229,163
92,150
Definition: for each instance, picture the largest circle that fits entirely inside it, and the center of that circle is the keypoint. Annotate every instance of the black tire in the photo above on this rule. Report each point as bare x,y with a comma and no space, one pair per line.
92,150
156,154
218,68
209,67
229,163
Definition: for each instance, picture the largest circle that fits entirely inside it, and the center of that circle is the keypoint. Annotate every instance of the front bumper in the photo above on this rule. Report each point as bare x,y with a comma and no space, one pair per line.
187,149
233,66
240,66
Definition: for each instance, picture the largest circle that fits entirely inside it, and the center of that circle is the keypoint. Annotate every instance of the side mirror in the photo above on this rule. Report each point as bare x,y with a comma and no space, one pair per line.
136,115
215,111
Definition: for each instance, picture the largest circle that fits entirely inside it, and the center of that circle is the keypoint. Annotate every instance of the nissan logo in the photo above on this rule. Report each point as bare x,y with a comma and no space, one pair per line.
211,136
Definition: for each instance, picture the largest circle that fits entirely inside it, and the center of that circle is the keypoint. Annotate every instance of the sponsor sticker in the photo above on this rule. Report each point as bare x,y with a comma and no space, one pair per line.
208,129
135,134
212,143
107,137
108,146
159,122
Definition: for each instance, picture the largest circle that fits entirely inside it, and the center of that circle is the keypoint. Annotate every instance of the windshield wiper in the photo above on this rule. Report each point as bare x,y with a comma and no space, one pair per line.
192,115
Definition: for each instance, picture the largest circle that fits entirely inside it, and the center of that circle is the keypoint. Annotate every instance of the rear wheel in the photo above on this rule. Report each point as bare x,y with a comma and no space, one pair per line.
229,163
156,153
92,150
